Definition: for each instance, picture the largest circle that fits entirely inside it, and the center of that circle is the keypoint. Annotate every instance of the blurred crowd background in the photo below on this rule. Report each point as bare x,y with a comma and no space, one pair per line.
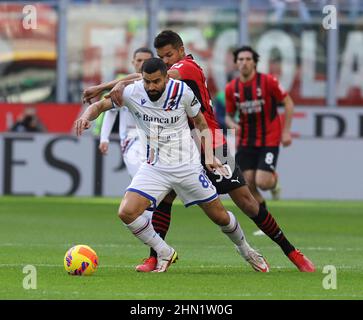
77,43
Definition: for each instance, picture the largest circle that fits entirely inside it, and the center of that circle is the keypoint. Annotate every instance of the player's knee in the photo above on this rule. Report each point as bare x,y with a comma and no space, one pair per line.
125,213
222,219
264,184
265,180
122,214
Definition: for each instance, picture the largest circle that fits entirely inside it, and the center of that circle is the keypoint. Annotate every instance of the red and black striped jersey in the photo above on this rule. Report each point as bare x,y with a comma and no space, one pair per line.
256,101
192,74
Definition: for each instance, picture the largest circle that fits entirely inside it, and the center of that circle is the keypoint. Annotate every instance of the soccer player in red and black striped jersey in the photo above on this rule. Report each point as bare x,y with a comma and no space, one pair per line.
170,48
254,97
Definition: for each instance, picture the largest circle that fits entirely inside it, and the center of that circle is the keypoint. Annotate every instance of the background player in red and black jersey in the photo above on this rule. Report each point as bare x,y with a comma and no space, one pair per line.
170,48
254,97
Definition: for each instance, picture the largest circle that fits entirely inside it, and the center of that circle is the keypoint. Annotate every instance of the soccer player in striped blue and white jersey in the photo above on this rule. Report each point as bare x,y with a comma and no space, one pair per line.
161,107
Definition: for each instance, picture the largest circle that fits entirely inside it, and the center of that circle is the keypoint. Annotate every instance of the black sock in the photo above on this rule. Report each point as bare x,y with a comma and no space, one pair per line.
266,222
161,221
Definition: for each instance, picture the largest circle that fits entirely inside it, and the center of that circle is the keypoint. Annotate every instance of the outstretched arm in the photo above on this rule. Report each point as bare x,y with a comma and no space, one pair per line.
90,114
117,86
95,91
116,93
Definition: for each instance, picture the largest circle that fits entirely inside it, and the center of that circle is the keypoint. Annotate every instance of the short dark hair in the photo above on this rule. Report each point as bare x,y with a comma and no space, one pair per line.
154,64
144,50
167,37
255,55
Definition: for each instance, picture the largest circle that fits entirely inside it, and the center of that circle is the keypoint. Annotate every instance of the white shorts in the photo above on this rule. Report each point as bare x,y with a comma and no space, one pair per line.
133,157
190,183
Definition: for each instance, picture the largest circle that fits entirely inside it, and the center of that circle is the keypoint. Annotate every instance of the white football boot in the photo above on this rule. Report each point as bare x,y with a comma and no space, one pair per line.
164,262
255,259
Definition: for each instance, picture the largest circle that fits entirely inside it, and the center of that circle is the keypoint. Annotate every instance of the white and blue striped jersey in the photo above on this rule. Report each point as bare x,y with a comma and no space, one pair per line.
163,124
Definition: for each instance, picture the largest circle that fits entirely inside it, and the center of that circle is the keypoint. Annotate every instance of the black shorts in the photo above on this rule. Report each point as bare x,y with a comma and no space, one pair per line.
257,158
235,178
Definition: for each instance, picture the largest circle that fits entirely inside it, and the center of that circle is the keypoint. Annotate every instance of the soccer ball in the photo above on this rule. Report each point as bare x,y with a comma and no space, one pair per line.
80,260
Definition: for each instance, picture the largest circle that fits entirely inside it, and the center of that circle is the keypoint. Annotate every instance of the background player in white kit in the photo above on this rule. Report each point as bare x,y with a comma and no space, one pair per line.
129,141
160,108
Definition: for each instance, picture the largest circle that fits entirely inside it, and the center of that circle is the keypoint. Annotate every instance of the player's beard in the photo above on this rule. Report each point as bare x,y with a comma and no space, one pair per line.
246,72
155,95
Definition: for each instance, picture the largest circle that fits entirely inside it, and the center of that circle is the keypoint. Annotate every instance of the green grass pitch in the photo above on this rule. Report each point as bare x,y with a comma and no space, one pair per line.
38,231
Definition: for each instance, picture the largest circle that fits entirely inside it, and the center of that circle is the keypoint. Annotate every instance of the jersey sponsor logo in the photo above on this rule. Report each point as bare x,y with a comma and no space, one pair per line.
251,106
143,101
148,118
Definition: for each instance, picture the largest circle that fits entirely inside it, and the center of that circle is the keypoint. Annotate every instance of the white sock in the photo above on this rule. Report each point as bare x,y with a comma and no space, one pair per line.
234,231
148,214
143,229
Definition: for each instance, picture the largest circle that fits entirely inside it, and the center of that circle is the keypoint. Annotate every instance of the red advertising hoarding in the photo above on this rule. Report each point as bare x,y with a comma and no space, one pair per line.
56,118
